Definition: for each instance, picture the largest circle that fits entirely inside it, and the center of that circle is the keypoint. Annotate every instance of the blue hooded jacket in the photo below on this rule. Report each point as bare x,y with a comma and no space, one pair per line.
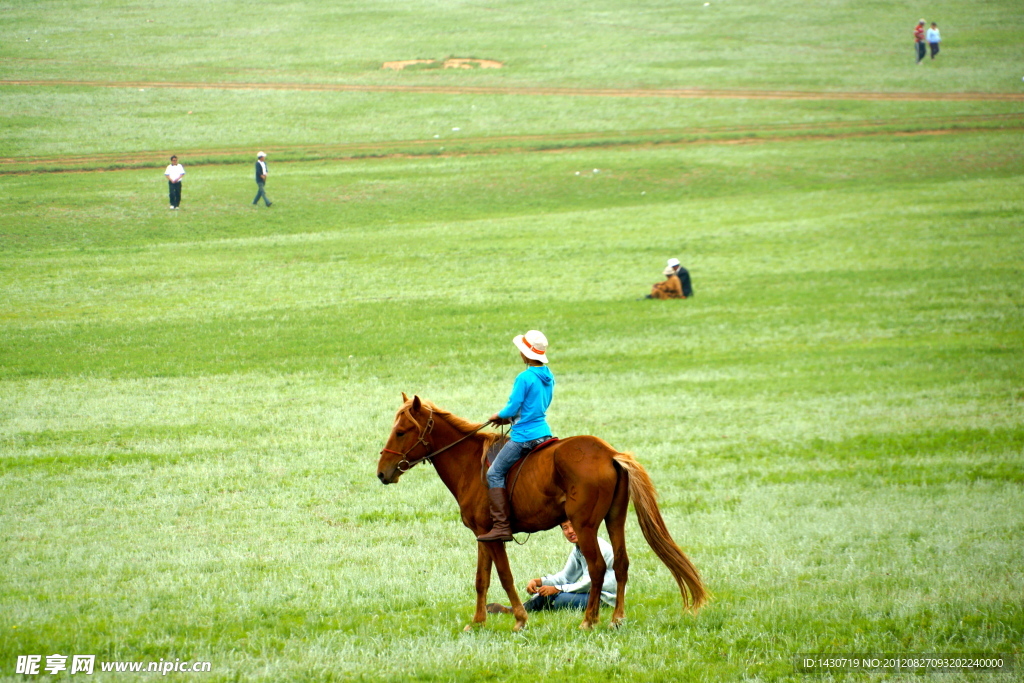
528,403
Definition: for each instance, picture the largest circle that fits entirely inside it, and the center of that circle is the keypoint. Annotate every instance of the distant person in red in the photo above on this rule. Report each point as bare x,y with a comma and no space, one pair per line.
919,40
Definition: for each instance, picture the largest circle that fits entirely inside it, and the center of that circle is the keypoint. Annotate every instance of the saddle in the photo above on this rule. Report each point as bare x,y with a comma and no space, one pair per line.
513,472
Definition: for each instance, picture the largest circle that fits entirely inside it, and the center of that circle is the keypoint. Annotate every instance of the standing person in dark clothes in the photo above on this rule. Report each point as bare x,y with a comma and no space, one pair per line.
919,40
261,179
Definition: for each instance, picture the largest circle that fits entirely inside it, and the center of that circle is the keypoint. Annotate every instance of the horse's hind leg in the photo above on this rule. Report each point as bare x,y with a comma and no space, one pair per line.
497,551
483,582
587,541
615,522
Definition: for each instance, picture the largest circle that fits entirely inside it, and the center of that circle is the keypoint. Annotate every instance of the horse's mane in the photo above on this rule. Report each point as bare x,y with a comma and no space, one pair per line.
459,423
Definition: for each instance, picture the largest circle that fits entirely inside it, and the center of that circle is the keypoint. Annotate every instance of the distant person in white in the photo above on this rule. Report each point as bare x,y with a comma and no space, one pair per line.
933,38
261,179
175,172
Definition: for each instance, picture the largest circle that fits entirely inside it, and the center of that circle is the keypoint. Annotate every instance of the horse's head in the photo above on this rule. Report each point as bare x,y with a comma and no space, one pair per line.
409,439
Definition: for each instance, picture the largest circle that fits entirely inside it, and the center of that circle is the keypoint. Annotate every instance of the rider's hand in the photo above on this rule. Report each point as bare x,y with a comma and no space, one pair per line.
548,590
499,420
533,585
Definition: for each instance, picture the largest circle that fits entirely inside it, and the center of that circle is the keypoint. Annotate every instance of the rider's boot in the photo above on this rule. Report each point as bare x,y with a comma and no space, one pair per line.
500,531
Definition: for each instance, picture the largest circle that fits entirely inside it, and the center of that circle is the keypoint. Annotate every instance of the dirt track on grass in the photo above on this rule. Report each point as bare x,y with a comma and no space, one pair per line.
464,145
509,144
687,93
423,148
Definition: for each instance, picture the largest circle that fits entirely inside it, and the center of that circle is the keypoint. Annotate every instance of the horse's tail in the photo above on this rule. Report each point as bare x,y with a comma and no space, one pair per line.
645,501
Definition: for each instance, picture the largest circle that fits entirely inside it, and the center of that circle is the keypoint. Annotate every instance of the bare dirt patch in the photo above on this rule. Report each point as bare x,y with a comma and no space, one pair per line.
450,63
398,66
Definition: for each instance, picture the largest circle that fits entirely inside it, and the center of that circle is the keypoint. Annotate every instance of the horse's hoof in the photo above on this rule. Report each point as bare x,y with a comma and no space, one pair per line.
616,624
586,626
520,625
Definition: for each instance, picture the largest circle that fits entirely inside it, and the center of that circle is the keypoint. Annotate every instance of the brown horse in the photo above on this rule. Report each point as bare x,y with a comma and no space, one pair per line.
581,478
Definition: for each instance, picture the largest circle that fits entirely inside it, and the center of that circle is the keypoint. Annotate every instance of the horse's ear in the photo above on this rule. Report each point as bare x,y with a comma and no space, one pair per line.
405,399
416,403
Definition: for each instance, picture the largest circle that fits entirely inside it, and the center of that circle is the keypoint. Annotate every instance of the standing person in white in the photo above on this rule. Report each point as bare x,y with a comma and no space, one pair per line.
175,172
261,179
933,38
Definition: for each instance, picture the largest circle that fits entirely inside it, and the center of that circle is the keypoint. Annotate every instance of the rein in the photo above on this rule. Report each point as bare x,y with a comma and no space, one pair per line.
404,465
424,433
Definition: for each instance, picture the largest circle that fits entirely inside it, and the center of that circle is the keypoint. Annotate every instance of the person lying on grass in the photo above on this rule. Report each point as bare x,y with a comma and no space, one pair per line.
569,588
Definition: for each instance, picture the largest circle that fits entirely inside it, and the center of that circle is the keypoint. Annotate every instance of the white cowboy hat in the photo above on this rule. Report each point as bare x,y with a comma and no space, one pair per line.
673,262
669,270
260,154
533,345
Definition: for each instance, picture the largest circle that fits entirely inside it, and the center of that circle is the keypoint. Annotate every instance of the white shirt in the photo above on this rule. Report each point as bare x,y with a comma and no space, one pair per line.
174,172
575,577
263,165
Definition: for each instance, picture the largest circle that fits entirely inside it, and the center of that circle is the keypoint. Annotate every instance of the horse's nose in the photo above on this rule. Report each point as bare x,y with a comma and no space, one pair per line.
380,475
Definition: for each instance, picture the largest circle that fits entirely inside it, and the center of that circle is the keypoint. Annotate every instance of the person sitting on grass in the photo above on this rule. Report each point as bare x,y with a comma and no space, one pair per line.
569,588
684,277
670,288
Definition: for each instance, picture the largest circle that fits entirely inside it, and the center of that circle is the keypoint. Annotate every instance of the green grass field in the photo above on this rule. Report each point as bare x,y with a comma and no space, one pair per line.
192,402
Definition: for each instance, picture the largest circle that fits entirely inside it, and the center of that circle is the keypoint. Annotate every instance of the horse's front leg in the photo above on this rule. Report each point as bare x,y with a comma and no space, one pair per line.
483,582
497,550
